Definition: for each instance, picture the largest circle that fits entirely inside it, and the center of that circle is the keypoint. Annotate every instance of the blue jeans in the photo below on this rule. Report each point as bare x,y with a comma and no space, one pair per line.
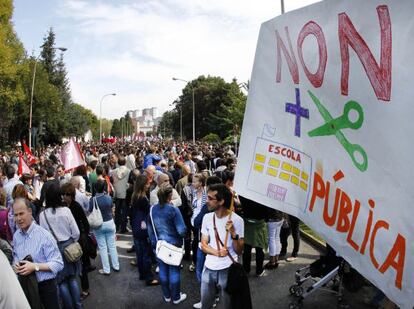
105,237
201,258
143,252
70,293
170,280
209,281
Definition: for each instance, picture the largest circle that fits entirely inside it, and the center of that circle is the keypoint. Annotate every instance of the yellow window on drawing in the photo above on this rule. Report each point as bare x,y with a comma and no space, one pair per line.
295,171
260,158
272,172
258,167
294,179
274,162
304,176
304,185
284,176
286,166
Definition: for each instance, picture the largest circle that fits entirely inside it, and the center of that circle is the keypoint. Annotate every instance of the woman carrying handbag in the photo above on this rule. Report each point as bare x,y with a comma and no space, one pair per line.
105,233
68,194
167,231
59,221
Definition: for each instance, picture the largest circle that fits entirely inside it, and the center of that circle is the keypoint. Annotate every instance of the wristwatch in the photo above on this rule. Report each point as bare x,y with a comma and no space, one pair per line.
236,237
36,267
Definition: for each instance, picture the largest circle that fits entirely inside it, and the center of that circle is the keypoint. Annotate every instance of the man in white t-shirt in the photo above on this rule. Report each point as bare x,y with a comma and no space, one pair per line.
217,255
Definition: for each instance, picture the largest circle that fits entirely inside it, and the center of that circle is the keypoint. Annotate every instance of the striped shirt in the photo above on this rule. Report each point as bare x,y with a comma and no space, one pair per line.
198,204
41,246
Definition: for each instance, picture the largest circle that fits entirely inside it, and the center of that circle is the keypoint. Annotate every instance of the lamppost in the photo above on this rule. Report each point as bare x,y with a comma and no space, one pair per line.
63,49
181,119
192,90
100,115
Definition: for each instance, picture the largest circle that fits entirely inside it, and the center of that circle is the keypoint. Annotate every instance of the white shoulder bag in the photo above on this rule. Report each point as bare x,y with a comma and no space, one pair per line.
95,217
166,252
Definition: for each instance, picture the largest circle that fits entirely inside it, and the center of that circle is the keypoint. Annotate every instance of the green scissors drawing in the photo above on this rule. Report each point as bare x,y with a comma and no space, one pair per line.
333,127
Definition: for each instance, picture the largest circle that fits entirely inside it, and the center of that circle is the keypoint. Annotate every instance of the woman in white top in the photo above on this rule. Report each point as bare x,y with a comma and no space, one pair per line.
59,221
199,200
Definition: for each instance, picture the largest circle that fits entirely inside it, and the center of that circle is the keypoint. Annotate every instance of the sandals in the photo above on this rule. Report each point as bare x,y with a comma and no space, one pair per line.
102,272
270,265
153,282
84,295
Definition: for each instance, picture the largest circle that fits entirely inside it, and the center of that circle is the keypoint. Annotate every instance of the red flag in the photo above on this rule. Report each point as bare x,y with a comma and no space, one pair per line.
71,156
23,168
28,152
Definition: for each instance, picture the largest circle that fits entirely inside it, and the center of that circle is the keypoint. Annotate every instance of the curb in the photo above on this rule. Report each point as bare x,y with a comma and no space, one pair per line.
316,243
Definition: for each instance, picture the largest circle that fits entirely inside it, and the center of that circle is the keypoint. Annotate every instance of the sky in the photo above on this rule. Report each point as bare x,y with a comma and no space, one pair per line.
134,48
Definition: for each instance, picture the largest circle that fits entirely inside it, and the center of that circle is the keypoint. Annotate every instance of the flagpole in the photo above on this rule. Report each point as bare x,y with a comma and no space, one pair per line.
282,4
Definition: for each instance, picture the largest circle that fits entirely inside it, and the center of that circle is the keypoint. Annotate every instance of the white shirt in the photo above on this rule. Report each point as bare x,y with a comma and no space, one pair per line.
83,200
207,229
176,199
11,293
61,221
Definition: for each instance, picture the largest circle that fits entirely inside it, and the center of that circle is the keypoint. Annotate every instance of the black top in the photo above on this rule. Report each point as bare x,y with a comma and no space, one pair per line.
80,217
253,209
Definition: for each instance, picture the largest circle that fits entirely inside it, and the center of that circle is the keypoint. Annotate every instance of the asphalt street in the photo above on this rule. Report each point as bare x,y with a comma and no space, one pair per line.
124,290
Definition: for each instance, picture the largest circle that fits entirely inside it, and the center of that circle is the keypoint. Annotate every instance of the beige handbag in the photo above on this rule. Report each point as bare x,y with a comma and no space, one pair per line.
72,252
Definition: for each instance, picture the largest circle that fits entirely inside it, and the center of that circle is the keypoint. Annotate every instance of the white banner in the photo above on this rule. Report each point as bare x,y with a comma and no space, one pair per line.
326,133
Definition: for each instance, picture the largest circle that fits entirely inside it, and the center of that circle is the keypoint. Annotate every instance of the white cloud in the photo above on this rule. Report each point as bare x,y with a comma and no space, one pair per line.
134,48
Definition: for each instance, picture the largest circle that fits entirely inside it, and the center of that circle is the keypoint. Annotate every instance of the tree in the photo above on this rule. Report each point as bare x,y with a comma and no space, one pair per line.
166,125
48,54
211,138
218,107
116,128
12,56
106,127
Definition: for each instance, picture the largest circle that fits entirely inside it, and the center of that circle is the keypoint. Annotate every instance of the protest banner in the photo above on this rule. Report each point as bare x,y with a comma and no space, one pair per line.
326,132
71,156
22,168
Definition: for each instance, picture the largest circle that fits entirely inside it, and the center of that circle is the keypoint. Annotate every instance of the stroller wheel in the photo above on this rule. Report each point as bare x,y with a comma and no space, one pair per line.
295,305
299,291
292,289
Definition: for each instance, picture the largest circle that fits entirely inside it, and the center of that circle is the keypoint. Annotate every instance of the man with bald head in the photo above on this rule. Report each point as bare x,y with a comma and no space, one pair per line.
163,180
80,197
36,251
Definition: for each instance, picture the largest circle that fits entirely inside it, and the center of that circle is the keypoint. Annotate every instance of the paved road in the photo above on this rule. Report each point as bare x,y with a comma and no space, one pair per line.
124,290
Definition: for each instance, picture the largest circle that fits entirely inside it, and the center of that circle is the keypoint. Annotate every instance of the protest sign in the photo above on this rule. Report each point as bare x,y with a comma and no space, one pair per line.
326,133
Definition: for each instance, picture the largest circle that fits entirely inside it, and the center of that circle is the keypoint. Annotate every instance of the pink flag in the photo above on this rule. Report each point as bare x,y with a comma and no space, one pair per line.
23,168
71,156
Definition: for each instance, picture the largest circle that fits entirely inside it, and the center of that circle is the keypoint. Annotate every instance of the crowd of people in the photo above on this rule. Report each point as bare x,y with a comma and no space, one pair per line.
178,193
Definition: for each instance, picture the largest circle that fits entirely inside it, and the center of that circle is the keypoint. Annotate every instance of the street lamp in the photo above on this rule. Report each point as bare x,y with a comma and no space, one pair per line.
100,115
63,49
192,90
181,119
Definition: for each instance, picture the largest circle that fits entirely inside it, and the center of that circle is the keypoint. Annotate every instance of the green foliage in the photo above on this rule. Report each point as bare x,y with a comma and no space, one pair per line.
106,127
12,55
116,128
166,125
219,106
52,101
211,138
